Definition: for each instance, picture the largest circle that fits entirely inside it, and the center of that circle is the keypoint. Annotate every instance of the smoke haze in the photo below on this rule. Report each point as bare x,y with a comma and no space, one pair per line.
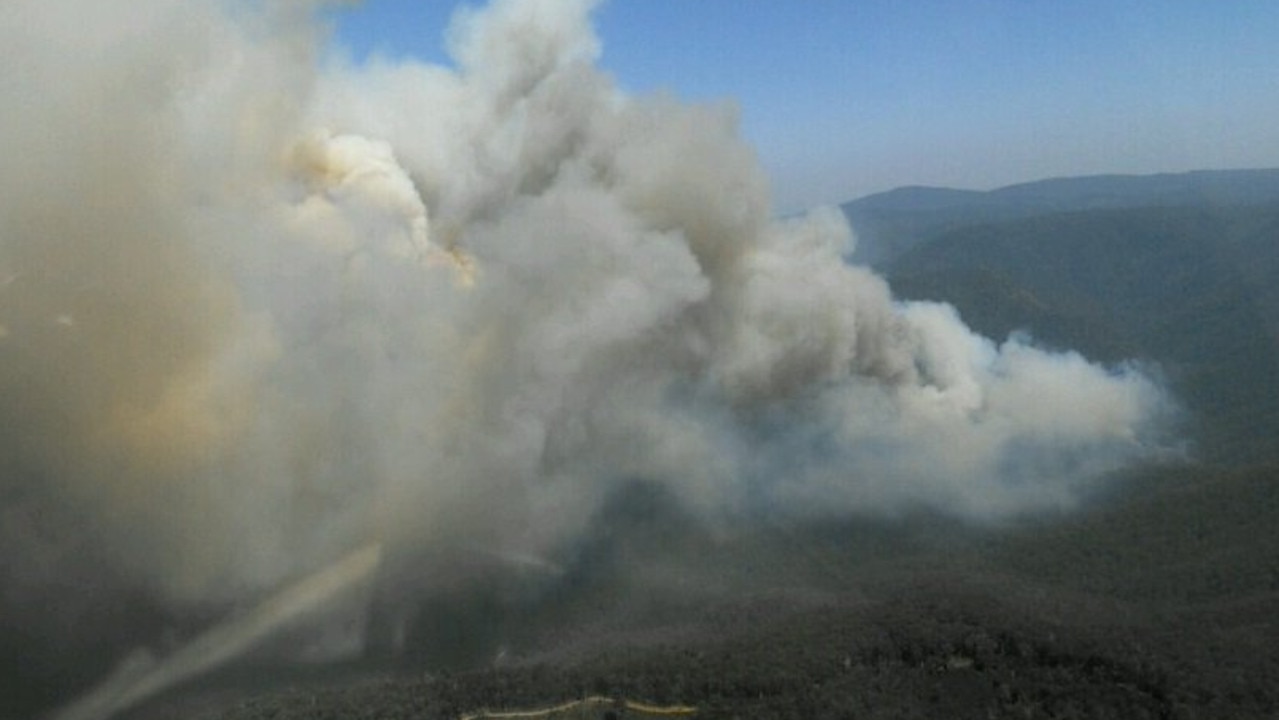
258,308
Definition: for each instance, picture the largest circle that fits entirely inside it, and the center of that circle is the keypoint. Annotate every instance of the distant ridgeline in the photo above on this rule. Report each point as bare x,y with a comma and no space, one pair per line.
1179,270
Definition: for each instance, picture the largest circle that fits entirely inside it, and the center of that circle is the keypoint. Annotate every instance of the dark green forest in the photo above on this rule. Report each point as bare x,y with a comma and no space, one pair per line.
1173,272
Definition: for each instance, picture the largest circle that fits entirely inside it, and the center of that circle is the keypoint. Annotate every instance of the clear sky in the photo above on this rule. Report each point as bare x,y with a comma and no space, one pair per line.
842,98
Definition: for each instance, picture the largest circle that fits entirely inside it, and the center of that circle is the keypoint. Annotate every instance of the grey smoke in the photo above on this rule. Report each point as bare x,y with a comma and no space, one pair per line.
258,308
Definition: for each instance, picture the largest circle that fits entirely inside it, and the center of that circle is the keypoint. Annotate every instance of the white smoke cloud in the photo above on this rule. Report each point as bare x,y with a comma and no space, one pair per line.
257,310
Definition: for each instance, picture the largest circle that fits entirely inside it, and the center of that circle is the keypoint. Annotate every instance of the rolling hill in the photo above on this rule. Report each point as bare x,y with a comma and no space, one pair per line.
891,223
1176,272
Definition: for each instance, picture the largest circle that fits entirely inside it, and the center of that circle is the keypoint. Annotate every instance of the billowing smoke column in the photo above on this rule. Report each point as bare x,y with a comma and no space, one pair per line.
258,309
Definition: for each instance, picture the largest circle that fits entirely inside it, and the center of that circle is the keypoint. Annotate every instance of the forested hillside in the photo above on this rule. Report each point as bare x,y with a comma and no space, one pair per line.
1175,272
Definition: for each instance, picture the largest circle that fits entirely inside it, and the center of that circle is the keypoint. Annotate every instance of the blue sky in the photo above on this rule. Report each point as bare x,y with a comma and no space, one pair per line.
842,98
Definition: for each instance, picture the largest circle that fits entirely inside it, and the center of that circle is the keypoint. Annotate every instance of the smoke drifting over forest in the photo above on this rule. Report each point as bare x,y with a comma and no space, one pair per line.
258,308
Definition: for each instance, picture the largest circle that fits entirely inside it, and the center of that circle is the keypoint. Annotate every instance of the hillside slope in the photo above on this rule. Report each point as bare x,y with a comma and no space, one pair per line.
891,223
1188,290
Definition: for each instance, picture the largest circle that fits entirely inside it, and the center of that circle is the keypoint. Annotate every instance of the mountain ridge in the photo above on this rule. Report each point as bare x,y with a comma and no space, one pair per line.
889,223
1174,271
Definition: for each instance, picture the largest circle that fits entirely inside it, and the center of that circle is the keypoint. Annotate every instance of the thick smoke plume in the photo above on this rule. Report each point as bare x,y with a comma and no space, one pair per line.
258,308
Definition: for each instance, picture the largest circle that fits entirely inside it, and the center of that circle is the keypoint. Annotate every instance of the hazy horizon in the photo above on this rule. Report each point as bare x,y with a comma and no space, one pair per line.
843,100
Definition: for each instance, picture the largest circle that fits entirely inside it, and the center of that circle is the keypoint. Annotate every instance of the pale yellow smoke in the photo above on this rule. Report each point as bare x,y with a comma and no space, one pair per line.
465,267
188,422
345,170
